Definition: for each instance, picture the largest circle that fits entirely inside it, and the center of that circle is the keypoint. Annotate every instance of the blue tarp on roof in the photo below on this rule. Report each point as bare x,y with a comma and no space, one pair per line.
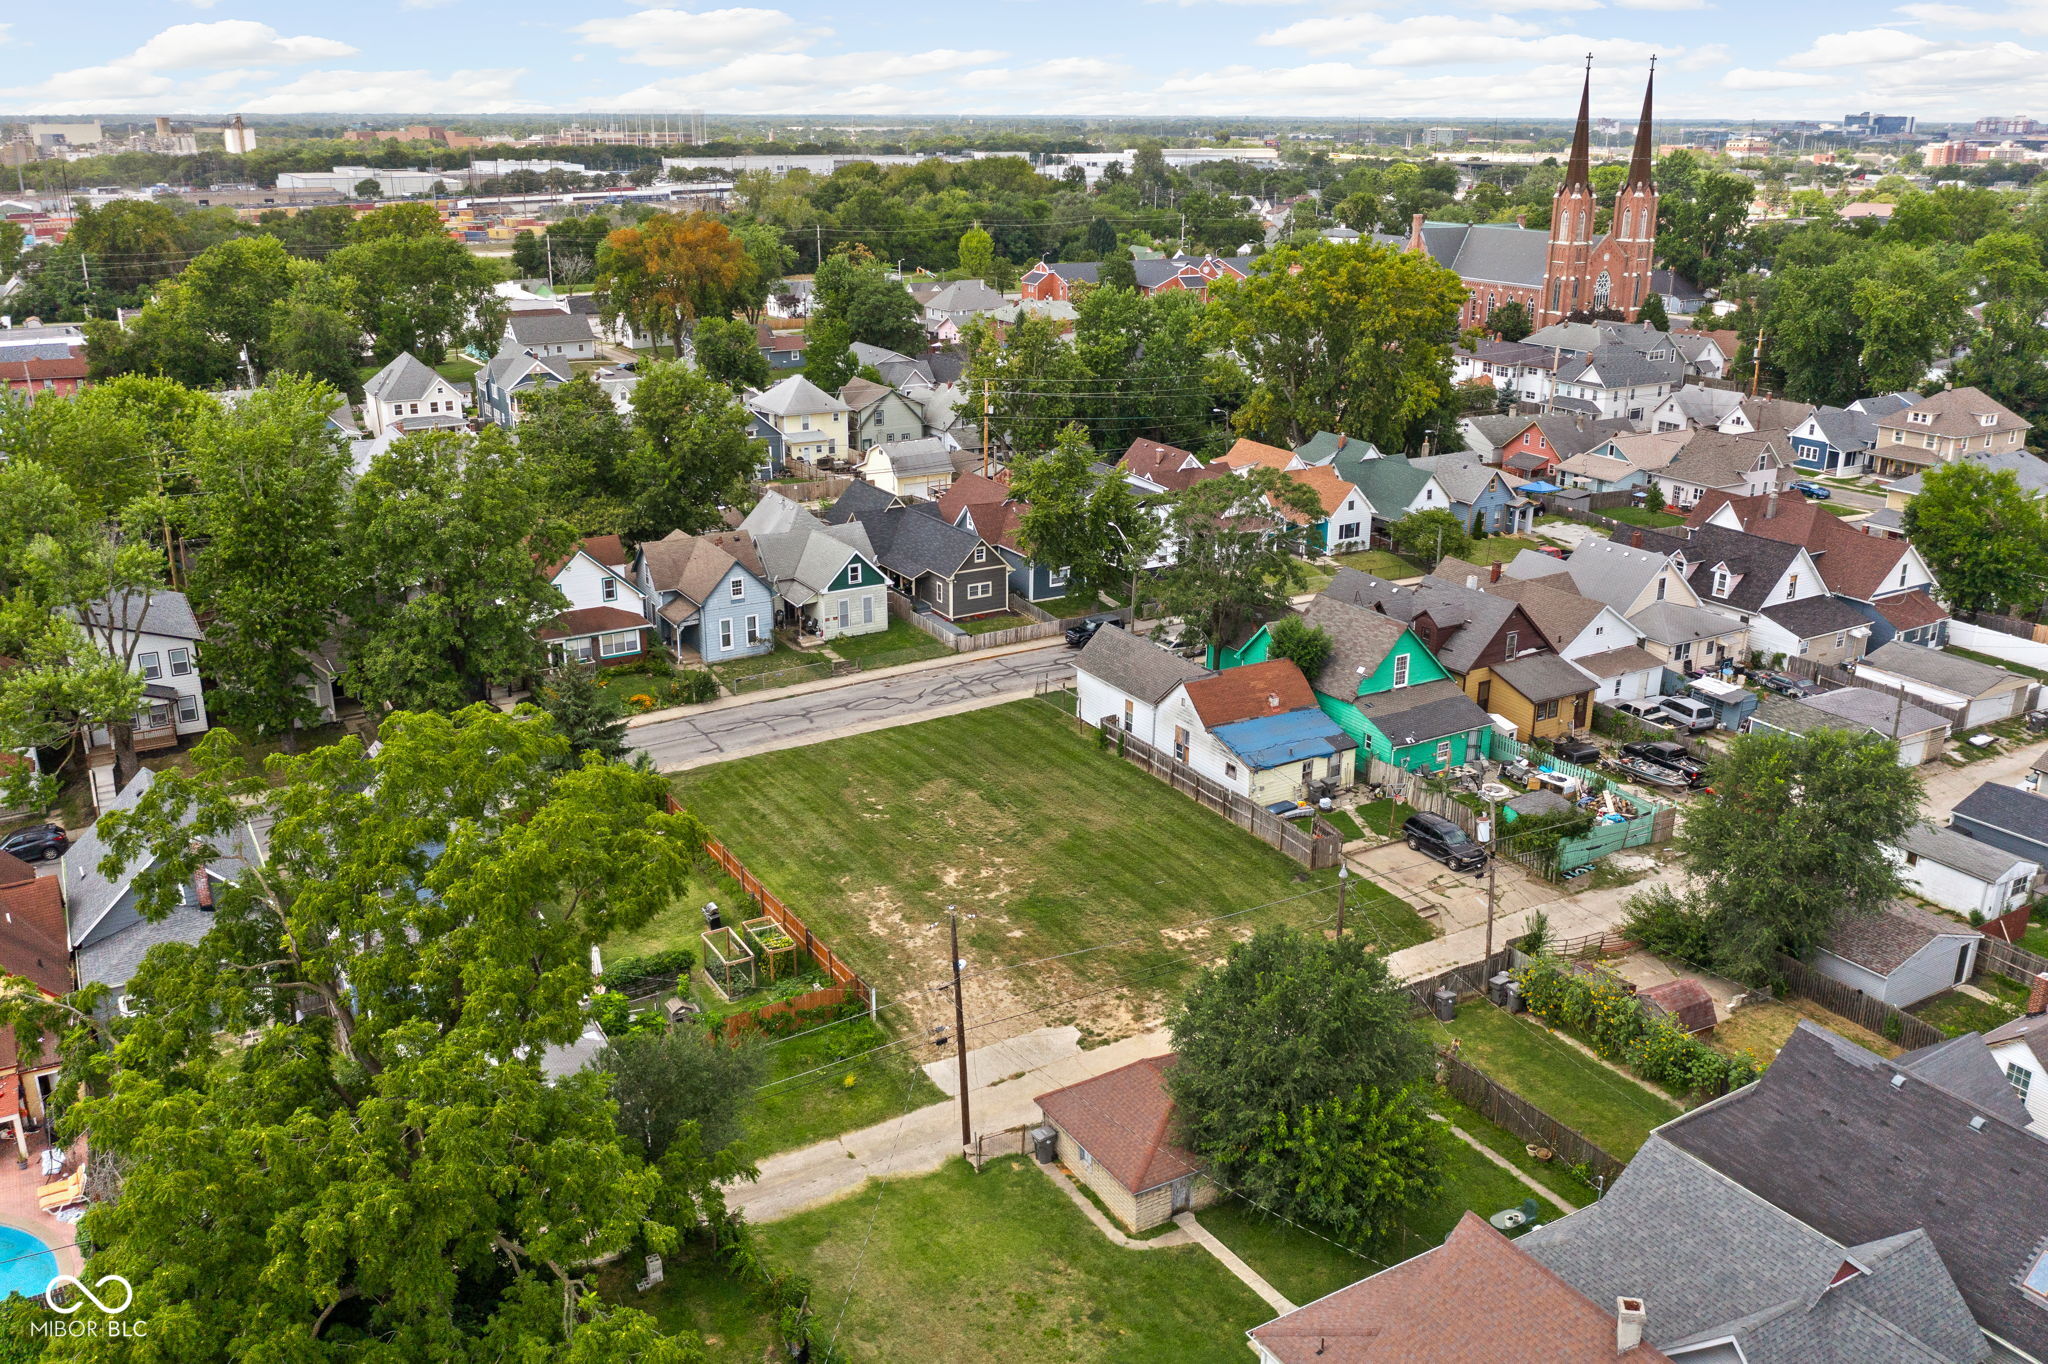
1275,740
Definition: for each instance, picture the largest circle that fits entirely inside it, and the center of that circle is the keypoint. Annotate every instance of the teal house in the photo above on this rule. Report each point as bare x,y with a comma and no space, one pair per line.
1385,689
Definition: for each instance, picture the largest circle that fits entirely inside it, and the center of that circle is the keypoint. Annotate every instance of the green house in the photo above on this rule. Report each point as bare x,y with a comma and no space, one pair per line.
1384,688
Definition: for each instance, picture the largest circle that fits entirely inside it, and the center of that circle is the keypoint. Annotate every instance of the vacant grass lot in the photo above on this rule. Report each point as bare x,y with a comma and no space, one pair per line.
1304,1264
697,1294
1611,1110
1761,1029
1642,516
1000,1268
1382,563
988,625
1498,549
1045,843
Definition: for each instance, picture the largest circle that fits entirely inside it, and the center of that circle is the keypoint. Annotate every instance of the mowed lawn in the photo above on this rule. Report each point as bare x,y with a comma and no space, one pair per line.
1000,1268
1610,1110
1016,817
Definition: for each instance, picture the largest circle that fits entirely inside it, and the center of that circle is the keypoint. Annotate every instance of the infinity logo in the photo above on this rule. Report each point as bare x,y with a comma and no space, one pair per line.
50,1294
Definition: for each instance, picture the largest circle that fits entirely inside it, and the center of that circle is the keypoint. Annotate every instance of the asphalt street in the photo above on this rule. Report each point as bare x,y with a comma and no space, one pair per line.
857,706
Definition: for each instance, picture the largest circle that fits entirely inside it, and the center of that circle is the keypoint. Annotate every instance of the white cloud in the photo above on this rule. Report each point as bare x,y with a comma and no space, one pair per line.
1743,78
200,4
1522,6
396,92
1449,40
674,37
2028,19
1668,5
228,42
1864,48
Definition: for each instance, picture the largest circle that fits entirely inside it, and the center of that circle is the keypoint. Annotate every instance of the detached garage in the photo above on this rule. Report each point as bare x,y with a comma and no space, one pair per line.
1985,694
1900,955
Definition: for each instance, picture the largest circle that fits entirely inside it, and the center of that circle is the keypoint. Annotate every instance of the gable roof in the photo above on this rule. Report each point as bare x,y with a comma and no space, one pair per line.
1135,665
1543,677
1939,668
1843,428
896,368
919,457
406,379
1247,452
692,566
2030,469
1073,272
910,539
1422,1310
1606,570
1465,620
1897,1159
1569,435
1893,935
795,396
90,890
1329,486
1169,466
1850,562
1620,366
1956,412
802,555
1325,446
1717,459
1124,1119
165,613
1970,856
1705,406
860,394
33,942
509,368
1463,478
1875,711
1558,611
1253,691
1390,484
1767,415
1812,617
1415,715
965,296
548,328
1755,565
1360,639
1493,253
2007,808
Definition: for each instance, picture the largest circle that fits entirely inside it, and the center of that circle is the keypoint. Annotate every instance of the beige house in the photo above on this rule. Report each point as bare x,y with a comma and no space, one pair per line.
811,422
1944,428
910,468
1116,1136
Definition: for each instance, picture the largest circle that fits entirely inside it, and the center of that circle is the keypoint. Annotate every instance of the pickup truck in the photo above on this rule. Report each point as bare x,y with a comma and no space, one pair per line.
1665,753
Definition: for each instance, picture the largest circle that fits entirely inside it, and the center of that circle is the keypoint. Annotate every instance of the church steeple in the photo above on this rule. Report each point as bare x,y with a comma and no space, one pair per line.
1577,169
1639,162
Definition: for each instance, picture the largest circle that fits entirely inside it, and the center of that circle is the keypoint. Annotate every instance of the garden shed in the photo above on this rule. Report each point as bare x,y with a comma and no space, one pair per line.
1684,1001
1899,955
1116,1135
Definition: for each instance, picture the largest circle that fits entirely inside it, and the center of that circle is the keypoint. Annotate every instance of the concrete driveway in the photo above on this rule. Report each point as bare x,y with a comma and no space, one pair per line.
1451,900
1947,783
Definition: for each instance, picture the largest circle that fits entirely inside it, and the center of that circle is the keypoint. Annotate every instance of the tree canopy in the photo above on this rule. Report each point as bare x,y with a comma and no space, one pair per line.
1983,537
1236,565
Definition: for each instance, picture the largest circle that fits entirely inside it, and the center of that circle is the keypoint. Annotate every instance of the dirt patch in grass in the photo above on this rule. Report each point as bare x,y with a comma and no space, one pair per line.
1759,1030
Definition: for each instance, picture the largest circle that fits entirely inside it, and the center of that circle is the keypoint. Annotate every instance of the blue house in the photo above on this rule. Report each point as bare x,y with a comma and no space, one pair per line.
510,376
770,446
1480,497
709,596
1834,438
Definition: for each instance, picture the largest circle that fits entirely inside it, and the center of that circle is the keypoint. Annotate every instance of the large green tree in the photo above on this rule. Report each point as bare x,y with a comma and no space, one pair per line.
1430,535
379,1165
1235,562
1032,378
1701,213
423,294
271,481
580,443
1350,338
693,454
449,536
2008,356
1088,523
1984,539
1296,1058
728,351
853,287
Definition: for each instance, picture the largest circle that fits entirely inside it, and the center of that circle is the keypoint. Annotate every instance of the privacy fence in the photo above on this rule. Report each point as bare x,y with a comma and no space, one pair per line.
1881,1018
1315,846
1502,1105
961,641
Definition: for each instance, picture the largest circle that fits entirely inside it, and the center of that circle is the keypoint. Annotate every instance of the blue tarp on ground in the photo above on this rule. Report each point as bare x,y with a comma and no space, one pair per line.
1276,740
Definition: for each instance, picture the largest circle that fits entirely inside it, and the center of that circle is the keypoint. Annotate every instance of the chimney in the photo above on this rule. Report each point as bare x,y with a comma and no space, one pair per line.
1272,701
1628,1324
1770,504
1342,441
1471,582
1415,228
1635,539
2037,998
1493,574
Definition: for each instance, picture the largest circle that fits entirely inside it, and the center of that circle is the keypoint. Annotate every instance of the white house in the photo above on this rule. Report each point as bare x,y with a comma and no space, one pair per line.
1589,634
161,637
1121,680
910,468
606,620
1966,875
2020,1048
1900,954
1694,408
828,582
564,335
1257,730
407,395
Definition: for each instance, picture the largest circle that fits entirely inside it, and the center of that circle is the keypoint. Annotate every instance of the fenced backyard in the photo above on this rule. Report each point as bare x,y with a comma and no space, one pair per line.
1828,674
966,641
1502,1105
1893,1024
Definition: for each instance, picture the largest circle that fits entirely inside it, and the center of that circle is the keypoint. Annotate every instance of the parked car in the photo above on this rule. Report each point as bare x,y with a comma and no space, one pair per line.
1675,756
37,843
1819,492
1439,838
1079,635
1688,713
1787,685
1642,710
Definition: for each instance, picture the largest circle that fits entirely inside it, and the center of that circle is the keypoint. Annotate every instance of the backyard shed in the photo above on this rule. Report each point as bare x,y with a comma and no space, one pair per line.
1732,704
1116,1135
1684,1001
1963,874
1899,955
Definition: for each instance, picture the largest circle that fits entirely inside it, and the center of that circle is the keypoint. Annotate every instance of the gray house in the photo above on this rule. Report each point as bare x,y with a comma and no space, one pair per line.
565,336
1480,496
108,934
948,569
709,595
2005,817
1899,955
877,414
511,376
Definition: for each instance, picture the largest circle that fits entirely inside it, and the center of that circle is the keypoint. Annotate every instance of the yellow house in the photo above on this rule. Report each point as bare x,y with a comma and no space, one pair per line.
811,422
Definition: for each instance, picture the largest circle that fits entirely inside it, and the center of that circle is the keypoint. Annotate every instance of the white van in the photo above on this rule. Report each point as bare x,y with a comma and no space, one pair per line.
1689,713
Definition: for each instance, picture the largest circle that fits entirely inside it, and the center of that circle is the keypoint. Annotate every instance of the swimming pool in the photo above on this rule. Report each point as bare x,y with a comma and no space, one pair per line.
26,1264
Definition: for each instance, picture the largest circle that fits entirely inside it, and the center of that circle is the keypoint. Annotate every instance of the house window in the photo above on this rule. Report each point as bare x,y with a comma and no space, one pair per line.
1681,652
2021,1080
151,664
1180,743
725,634
976,591
1130,714
188,709
1514,637
1660,589
1058,577
1546,710
1898,438
981,554
618,642
867,610
610,590
1230,770
1791,587
1841,639
845,608
1902,575
1720,582
1912,859
753,629
1400,670
738,588
1617,686
1443,751
853,575
181,662
1802,645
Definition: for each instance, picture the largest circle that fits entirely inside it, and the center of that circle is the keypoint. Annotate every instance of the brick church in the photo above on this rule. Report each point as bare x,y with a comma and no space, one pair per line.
1569,271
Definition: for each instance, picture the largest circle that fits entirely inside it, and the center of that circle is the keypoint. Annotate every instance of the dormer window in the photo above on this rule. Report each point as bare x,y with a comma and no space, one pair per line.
1987,419
1721,582
1920,418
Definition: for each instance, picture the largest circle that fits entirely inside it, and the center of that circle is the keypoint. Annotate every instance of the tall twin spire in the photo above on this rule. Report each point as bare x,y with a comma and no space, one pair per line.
1577,170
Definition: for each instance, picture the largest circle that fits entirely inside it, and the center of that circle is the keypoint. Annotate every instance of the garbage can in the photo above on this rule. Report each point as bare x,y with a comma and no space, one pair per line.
1444,1003
1497,988
1045,1144
1513,1002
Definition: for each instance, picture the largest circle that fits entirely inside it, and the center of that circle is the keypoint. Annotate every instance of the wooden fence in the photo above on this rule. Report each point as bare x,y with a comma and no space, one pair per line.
830,962
811,489
1501,1104
2008,625
1470,978
830,997
1852,1004
1318,846
960,641
2009,926
2009,960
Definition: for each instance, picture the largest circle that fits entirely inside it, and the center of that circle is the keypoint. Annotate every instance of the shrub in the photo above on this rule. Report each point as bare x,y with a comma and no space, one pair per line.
689,687
1598,1005
669,965
1671,925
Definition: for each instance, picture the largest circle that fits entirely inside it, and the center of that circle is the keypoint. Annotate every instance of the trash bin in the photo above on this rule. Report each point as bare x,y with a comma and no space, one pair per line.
1513,1002
1497,988
1045,1144
1444,1003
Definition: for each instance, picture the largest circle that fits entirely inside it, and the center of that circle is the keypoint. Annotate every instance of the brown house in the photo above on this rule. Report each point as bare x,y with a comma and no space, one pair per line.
1942,429
34,946
1116,1136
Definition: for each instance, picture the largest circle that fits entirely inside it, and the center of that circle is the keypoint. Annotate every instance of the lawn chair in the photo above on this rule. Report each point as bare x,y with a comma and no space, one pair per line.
62,1193
653,1274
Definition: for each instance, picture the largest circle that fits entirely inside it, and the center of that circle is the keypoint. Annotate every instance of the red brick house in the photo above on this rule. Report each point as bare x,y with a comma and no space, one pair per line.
66,375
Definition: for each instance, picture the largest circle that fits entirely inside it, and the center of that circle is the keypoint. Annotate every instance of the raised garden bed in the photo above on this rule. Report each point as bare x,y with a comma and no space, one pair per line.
728,962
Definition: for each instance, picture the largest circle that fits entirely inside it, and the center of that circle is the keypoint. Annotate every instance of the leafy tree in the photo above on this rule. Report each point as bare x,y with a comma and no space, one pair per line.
1031,375
828,355
728,352
1117,271
271,477
529,258
423,294
2008,356
1144,370
1351,338
1791,836
418,939
55,285
448,538
132,243
313,333
1984,539
1309,646
977,253
1092,525
669,271
1236,565
1510,321
694,452
1100,238
590,716
12,235
852,287
769,258
1292,1049
1651,312
369,188
664,1080
1701,214
413,221
1431,535
1653,497
579,442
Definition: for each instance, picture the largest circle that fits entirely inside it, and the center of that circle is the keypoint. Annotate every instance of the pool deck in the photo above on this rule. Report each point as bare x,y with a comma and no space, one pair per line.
18,1208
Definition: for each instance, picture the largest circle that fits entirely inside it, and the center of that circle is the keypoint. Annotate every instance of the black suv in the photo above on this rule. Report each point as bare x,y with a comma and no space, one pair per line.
1446,842
1079,635
36,843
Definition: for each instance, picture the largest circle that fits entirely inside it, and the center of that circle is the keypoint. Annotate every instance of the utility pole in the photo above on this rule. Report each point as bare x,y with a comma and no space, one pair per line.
1756,363
987,407
960,1035
549,243
1492,855
1343,880
818,235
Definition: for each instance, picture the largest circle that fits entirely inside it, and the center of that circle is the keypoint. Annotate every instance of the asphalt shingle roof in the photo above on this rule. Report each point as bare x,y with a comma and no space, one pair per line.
1123,1118
548,328
1755,565
1496,253
1543,677
1136,666
1416,715
2007,808
1936,668
1466,620
165,613
406,379
1970,856
1887,939
1875,711
795,396
1812,617
1956,412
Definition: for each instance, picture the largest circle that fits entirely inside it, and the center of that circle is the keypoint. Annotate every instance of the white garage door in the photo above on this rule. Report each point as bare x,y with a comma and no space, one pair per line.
1992,709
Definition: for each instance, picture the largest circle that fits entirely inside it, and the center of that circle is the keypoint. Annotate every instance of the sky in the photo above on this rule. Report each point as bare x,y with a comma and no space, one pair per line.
1472,59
